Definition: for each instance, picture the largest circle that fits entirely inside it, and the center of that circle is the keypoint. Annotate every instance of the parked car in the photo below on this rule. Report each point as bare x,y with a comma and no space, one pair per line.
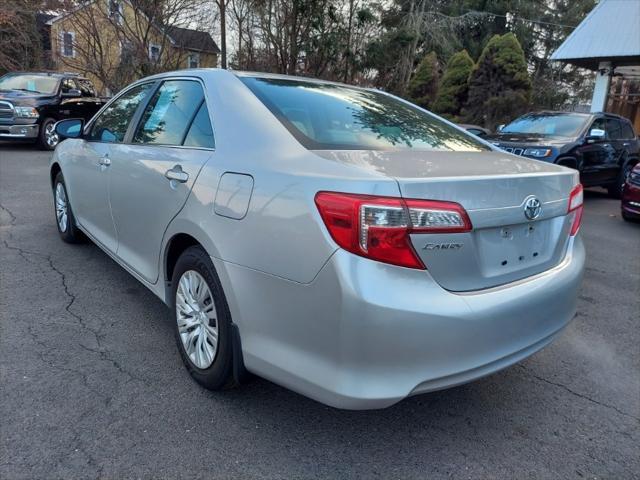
477,130
336,240
603,147
631,196
31,103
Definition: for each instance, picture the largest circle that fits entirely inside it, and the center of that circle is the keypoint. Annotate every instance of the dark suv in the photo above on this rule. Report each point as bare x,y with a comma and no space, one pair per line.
602,146
31,103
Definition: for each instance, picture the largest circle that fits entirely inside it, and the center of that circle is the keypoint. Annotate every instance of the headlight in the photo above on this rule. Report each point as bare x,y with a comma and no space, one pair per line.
26,112
537,152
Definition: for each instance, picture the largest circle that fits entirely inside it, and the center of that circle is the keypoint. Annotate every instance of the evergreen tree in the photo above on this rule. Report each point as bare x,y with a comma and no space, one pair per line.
423,86
499,85
453,91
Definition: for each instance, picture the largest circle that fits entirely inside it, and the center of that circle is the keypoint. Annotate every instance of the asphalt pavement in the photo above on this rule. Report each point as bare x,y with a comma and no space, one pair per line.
92,386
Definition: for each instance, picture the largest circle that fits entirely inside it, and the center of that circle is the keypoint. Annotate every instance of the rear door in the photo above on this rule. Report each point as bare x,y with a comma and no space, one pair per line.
88,178
614,132
152,174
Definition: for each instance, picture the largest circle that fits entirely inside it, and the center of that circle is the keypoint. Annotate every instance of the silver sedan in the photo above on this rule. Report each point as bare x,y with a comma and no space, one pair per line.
339,241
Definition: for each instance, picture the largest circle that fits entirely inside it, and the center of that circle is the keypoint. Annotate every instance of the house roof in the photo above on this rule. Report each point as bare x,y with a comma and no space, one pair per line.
193,39
182,37
609,33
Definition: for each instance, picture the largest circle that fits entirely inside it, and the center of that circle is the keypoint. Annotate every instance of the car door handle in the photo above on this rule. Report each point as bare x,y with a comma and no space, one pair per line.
177,174
104,161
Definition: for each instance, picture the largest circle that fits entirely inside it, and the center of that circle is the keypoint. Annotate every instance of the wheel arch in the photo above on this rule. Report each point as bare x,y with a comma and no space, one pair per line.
53,172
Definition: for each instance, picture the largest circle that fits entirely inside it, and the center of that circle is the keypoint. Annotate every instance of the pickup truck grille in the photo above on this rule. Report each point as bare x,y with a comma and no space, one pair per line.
6,110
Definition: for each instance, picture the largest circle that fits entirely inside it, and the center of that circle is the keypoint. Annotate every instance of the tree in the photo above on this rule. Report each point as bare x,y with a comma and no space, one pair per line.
20,41
423,86
499,85
454,89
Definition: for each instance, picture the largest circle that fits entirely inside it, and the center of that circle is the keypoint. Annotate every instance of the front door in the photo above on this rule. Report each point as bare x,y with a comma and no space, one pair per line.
596,157
92,168
152,174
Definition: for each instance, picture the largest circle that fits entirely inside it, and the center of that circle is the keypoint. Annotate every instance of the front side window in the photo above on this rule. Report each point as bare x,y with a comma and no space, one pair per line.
111,125
67,44
325,116
29,83
68,85
169,113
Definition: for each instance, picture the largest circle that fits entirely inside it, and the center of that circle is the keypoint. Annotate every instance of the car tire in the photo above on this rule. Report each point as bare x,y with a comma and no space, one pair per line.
47,138
198,310
615,190
65,220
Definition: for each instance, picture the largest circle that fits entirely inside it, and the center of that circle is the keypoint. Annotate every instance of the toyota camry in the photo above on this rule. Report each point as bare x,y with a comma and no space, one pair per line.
339,241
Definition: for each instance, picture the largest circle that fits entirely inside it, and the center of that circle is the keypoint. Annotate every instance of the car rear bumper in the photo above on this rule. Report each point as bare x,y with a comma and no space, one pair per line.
8,132
365,335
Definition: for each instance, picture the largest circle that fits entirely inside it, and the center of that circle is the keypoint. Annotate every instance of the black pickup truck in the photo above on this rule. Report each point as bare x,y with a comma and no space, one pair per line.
31,103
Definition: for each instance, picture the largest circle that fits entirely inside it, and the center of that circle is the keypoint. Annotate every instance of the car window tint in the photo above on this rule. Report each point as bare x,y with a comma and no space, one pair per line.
111,125
200,133
627,131
614,130
169,113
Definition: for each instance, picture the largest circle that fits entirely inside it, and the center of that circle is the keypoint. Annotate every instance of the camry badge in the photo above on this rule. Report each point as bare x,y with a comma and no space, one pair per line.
442,246
532,207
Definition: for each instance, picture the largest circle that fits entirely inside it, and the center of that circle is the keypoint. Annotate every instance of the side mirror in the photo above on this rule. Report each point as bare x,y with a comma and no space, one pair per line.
71,128
500,127
72,93
595,135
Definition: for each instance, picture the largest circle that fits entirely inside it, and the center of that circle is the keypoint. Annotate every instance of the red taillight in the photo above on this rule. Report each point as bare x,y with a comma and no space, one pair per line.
379,227
575,208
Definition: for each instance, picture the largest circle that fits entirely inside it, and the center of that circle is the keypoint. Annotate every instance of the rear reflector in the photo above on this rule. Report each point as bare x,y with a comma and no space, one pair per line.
379,227
576,199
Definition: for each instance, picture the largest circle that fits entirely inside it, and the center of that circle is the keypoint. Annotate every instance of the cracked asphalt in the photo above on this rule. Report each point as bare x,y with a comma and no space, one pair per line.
92,385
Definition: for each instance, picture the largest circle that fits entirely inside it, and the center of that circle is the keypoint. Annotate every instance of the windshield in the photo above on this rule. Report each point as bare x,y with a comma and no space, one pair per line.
564,125
29,83
333,117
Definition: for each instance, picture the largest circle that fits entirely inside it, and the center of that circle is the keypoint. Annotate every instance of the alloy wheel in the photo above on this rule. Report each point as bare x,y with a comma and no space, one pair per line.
61,207
50,135
196,317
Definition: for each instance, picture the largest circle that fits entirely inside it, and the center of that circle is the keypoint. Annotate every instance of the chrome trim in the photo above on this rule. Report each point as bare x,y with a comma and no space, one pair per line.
9,104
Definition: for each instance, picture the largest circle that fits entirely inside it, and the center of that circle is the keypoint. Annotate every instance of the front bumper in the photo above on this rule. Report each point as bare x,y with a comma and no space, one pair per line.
631,201
365,335
19,131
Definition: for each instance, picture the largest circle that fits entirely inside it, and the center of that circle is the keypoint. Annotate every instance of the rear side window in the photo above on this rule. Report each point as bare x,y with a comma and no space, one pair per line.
111,125
324,116
627,131
614,129
169,113
200,133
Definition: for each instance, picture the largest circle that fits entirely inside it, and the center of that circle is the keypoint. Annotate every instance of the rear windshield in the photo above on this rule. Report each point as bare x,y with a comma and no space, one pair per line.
29,83
333,117
565,125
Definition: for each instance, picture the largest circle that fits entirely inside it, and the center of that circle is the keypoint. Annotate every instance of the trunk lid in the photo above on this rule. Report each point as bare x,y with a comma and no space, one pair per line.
493,187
